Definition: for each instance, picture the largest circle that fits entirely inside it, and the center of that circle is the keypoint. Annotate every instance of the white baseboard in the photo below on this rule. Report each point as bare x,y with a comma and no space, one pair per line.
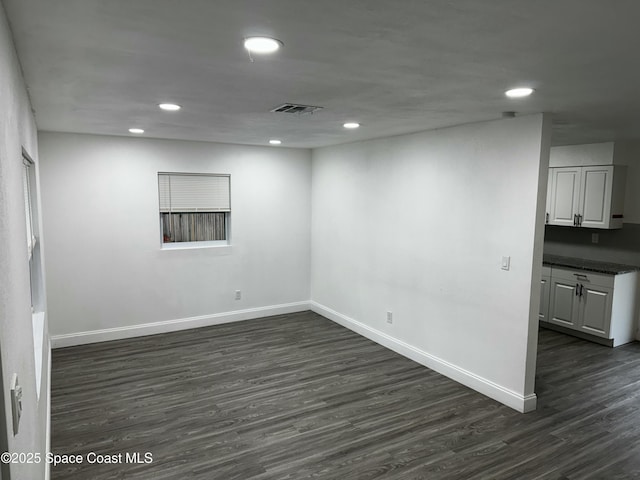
118,333
486,387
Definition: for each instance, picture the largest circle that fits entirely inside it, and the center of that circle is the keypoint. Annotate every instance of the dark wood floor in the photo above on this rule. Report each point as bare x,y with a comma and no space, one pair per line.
299,397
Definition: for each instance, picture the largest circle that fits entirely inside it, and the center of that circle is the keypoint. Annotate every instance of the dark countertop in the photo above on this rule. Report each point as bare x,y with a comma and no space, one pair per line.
588,265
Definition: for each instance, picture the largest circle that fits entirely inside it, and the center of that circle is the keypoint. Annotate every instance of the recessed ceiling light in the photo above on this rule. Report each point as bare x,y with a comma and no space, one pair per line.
351,125
262,44
170,107
136,130
275,142
519,92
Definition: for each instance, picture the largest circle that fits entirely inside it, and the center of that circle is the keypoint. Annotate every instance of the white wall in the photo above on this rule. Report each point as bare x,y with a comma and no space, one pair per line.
417,225
106,269
632,190
17,131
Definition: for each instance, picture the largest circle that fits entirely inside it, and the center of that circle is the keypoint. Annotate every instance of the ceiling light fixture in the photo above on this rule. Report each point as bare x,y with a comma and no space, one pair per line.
519,92
137,131
170,107
351,125
275,142
262,44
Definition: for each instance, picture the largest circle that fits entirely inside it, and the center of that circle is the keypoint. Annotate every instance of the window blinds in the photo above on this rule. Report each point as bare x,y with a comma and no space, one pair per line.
183,192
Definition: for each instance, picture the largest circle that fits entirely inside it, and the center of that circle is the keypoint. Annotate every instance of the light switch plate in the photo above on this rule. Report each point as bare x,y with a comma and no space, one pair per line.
506,263
16,403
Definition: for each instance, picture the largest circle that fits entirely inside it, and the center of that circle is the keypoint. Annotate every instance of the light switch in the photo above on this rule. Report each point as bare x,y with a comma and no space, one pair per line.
506,263
16,403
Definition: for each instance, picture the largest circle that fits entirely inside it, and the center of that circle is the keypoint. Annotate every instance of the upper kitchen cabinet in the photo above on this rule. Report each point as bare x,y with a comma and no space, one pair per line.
591,197
586,186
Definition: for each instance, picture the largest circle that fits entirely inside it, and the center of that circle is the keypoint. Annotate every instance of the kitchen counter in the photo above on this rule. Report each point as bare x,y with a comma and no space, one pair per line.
588,265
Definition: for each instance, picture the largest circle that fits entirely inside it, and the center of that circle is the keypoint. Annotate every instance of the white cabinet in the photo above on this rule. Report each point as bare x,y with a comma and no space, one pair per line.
564,302
595,304
565,195
545,282
582,301
591,197
595,309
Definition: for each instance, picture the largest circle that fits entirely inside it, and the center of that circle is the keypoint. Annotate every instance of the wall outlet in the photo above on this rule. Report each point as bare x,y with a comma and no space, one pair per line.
238,294
389,317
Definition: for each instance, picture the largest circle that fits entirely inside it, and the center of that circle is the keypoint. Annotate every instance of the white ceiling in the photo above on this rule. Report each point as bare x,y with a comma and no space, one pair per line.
102,66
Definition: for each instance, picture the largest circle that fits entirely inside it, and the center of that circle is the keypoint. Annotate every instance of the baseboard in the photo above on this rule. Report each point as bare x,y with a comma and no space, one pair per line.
118,333
486,387
607,342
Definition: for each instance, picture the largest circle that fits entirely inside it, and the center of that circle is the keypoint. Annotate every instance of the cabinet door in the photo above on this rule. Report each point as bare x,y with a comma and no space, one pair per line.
595,310
563,309
565,195
596,184
543,316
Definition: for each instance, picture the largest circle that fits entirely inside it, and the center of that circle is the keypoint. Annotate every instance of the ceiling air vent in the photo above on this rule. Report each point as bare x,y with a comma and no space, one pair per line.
295,108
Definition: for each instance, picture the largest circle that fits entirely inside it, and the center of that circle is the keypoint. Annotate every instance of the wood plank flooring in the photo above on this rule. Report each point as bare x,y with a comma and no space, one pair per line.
298,397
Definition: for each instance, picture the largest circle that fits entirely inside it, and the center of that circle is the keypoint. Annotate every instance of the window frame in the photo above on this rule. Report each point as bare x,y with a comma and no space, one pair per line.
35,264
197,244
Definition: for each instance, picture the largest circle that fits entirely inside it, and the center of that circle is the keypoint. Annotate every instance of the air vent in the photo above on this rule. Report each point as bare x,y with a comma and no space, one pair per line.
295,108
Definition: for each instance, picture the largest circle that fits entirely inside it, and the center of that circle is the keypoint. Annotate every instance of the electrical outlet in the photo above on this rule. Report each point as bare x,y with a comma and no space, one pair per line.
238,294
389,317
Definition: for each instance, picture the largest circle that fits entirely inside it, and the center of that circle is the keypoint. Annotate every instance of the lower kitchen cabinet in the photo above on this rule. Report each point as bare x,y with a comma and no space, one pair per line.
597,306
595,310
545,288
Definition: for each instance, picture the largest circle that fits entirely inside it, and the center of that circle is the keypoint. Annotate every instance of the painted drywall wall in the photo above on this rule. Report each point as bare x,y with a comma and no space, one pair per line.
632,190
618,246
18,131
107,270
418,225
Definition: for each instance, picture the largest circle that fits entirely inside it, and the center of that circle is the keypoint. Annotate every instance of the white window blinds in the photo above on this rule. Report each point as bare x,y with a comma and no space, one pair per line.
183,192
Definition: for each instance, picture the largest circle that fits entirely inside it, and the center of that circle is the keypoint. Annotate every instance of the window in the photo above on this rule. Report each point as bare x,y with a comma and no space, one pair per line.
35,264
194,209
31,219
28,205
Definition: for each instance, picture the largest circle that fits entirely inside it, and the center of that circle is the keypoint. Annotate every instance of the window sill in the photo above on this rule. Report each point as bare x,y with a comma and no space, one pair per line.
38,338
217,247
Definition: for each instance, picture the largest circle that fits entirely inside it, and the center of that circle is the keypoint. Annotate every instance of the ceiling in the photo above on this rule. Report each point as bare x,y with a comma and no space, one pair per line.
102,66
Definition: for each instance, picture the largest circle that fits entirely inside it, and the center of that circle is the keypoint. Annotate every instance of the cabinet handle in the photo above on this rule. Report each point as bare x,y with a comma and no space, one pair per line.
577,289
581,289
579,220
575,220
547,218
